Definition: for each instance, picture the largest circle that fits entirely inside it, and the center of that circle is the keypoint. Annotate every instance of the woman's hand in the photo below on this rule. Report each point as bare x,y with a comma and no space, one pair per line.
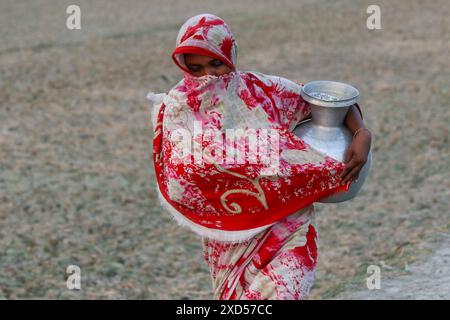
356,155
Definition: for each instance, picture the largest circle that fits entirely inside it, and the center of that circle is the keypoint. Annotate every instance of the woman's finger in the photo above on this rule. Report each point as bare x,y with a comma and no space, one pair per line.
355,171
348,155
352,173
348,167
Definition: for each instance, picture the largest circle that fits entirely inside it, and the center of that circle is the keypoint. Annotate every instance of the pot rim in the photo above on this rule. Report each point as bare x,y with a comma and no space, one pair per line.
339,103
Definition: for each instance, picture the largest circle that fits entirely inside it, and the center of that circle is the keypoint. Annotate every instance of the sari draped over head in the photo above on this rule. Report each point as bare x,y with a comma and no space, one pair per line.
226,161
229,167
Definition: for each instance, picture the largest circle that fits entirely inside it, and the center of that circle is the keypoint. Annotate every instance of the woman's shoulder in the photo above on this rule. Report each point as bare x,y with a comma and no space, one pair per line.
285,82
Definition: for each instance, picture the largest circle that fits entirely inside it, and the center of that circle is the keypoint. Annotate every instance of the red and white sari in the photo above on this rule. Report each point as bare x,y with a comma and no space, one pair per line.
256,219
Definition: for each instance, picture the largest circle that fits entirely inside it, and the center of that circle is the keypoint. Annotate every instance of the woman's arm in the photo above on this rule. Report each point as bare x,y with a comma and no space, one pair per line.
358,151
353,119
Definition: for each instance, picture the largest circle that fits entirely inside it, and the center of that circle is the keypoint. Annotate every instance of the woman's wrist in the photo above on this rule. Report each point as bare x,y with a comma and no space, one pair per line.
361,129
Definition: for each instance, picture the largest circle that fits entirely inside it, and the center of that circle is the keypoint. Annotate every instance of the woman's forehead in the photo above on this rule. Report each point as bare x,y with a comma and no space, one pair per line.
194,58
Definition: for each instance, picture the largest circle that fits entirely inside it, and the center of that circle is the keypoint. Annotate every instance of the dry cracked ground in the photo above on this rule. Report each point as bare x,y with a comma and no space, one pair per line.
76,179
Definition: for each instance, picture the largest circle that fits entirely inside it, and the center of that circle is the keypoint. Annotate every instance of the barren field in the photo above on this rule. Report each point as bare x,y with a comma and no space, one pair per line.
76,177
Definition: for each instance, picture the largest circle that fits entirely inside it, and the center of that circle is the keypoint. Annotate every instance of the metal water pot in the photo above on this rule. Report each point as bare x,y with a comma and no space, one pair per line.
326,131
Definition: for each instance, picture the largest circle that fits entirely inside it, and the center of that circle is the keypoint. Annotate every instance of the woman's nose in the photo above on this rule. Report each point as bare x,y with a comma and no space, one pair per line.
211,71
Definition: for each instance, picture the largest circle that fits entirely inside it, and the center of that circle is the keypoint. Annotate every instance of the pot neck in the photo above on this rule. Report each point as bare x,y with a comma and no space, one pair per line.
328,116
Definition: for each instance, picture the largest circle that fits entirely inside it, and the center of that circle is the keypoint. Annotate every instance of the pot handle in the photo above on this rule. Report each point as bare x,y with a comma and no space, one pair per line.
357,105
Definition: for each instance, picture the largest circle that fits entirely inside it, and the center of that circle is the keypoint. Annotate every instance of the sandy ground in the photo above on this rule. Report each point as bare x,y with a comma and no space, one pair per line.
427,279
76,180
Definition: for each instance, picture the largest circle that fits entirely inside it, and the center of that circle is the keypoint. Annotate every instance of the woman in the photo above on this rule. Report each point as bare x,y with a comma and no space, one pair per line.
256,218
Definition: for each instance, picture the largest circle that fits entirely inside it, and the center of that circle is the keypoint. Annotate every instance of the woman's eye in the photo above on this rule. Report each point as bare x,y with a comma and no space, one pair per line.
194,68
217,63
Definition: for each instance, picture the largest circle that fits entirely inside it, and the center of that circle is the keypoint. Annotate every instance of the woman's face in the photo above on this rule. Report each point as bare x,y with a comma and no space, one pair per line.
200,65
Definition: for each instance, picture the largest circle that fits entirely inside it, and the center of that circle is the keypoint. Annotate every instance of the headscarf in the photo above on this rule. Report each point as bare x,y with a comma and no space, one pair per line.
203,121
208,35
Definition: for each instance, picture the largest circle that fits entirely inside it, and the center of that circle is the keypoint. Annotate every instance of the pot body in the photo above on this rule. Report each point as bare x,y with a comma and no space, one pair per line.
326,131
